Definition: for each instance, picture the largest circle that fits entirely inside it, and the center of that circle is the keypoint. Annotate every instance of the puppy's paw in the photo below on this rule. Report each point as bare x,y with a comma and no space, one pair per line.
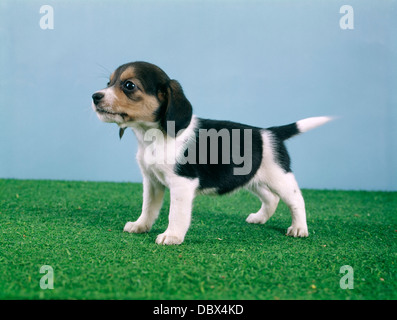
298,231
136,227
166,238
256,218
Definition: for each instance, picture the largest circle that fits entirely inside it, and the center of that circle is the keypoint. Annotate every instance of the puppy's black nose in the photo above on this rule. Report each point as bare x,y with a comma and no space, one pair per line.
97,96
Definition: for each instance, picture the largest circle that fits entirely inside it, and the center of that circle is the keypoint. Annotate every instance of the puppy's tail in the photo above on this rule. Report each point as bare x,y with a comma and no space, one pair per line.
293,129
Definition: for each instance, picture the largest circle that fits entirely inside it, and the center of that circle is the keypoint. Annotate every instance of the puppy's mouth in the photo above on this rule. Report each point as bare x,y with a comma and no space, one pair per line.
103,111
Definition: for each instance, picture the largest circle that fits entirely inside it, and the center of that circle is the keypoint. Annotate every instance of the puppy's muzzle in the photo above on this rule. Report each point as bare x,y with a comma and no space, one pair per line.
97,97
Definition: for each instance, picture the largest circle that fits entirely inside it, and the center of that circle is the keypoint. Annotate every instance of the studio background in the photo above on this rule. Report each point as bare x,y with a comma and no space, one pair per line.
263,63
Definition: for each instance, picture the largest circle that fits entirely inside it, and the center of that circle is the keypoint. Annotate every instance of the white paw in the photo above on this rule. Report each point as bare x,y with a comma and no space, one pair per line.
136,227
256,218
166,238
298,231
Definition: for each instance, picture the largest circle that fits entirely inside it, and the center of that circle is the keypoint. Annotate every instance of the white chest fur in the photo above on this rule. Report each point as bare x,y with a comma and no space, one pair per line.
158,152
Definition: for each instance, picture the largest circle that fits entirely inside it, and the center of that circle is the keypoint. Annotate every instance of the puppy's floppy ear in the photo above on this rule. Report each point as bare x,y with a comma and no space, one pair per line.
175,107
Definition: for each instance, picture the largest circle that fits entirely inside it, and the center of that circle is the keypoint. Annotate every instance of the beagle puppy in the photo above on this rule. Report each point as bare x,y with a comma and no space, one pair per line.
190,155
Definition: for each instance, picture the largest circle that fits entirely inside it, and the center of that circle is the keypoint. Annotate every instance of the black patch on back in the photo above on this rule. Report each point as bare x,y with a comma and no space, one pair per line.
281,154
280,134
221,176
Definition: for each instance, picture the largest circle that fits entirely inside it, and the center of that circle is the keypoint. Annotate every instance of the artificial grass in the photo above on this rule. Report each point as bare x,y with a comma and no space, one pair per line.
76,228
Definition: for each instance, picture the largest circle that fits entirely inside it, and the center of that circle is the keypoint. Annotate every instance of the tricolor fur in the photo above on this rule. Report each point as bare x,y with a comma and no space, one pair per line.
190,155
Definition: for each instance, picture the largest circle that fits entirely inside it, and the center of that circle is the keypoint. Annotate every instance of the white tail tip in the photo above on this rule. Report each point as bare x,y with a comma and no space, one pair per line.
311,123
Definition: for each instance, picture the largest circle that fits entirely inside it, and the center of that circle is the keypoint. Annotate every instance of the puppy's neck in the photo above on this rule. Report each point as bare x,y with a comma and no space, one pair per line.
139,127
145,130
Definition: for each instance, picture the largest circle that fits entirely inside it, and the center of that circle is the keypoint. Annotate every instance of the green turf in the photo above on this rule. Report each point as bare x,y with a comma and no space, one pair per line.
76,228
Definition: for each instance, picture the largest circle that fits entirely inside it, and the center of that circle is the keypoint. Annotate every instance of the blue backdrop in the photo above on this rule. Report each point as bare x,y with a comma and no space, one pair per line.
263,63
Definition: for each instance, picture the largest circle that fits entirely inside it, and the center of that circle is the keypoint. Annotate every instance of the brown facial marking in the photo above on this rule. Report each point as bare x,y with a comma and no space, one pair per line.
137,105
112,77
127,74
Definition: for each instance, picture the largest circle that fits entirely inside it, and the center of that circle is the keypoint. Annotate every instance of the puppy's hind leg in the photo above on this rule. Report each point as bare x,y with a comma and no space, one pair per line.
269,205
287,188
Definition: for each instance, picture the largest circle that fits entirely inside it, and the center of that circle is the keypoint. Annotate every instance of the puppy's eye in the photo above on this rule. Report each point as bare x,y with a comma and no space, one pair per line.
128,85
108,84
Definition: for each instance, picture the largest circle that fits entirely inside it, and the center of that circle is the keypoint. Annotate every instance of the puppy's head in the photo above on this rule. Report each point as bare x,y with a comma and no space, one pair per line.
142,92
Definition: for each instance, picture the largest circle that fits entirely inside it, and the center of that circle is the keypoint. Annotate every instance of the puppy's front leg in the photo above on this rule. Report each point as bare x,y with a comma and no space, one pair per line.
153,194
182,195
